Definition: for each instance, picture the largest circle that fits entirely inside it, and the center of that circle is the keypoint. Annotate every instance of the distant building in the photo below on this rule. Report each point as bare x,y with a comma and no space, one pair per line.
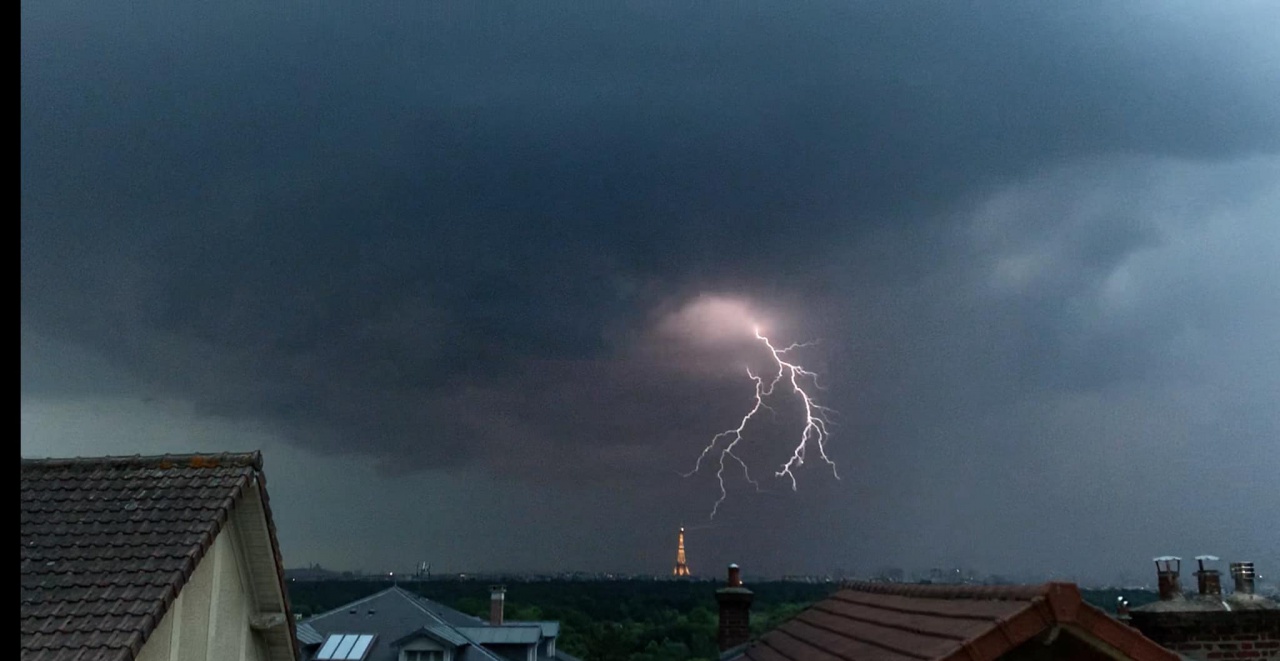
151,558
1209,624
397,625
894,621
682,565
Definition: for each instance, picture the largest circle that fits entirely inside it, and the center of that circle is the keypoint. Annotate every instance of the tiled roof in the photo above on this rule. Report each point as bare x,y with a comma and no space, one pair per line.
894,622
108,542
308,636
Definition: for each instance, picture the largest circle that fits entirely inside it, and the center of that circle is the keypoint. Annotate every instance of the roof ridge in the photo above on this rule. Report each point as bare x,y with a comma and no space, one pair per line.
974,592
417,600
348,606
252,459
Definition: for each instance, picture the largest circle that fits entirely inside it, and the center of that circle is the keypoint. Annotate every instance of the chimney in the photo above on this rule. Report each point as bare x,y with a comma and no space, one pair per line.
735,577
1208,581
497,595
1167,569
1243,574
1122,608
735,612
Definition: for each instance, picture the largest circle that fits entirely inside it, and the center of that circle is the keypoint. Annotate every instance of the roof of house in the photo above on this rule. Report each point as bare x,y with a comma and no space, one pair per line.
395,616
1231,603
896,622
107,544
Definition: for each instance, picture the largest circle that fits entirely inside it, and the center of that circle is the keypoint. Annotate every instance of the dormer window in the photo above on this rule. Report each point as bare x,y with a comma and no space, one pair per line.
425,648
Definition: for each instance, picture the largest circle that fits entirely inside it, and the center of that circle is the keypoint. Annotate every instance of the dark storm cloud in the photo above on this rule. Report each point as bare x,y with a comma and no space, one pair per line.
443,236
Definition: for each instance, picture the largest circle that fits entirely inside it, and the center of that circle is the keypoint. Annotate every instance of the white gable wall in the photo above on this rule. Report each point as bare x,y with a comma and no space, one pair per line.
209,621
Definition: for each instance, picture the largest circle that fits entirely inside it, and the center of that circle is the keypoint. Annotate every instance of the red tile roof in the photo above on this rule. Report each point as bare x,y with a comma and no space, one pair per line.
894,622
107,543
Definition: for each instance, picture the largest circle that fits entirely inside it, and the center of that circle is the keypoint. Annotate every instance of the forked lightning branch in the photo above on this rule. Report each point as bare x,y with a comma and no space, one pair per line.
794,379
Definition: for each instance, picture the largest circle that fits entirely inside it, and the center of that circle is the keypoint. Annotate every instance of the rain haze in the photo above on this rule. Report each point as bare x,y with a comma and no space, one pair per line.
480,279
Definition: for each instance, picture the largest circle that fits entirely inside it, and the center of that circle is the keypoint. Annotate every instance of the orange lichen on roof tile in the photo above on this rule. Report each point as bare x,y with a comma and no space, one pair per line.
201,461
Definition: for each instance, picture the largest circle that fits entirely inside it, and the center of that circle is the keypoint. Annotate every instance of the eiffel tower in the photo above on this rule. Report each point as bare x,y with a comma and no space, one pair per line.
682,567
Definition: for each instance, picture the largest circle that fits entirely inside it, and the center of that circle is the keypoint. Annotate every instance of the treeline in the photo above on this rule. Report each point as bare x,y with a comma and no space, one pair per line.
618,620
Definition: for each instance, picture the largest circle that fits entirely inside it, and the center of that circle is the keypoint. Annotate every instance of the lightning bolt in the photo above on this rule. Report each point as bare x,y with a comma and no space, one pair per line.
815,428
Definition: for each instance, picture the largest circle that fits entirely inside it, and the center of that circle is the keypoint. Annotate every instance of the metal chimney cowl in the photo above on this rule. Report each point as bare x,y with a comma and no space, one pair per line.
1244,576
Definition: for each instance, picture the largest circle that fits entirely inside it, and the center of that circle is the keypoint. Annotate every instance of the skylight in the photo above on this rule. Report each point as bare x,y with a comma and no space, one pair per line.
345,647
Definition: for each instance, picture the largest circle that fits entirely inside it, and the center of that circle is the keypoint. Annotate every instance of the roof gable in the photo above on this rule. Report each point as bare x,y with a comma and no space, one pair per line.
393,612
441,633
925,622
107,544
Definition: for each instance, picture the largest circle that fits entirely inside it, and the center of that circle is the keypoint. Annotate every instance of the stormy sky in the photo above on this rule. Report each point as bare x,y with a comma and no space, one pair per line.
479,278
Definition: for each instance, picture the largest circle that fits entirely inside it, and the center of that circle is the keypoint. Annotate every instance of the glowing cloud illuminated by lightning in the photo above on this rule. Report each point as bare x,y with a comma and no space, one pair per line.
711,320
718,319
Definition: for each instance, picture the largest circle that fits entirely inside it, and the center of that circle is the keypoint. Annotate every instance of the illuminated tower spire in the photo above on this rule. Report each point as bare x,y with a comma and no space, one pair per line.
682,567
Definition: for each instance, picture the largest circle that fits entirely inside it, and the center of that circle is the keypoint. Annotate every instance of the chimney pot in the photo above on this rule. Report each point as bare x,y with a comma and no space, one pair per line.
735,576
1208,581
1243,575
1167,569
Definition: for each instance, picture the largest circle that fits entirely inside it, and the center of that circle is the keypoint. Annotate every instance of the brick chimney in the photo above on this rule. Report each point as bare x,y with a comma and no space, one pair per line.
497,595
1243,574
1167,570
1208,581
735,612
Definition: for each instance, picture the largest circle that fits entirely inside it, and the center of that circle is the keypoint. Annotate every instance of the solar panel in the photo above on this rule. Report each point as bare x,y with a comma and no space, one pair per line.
360,648
330,644
345,646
